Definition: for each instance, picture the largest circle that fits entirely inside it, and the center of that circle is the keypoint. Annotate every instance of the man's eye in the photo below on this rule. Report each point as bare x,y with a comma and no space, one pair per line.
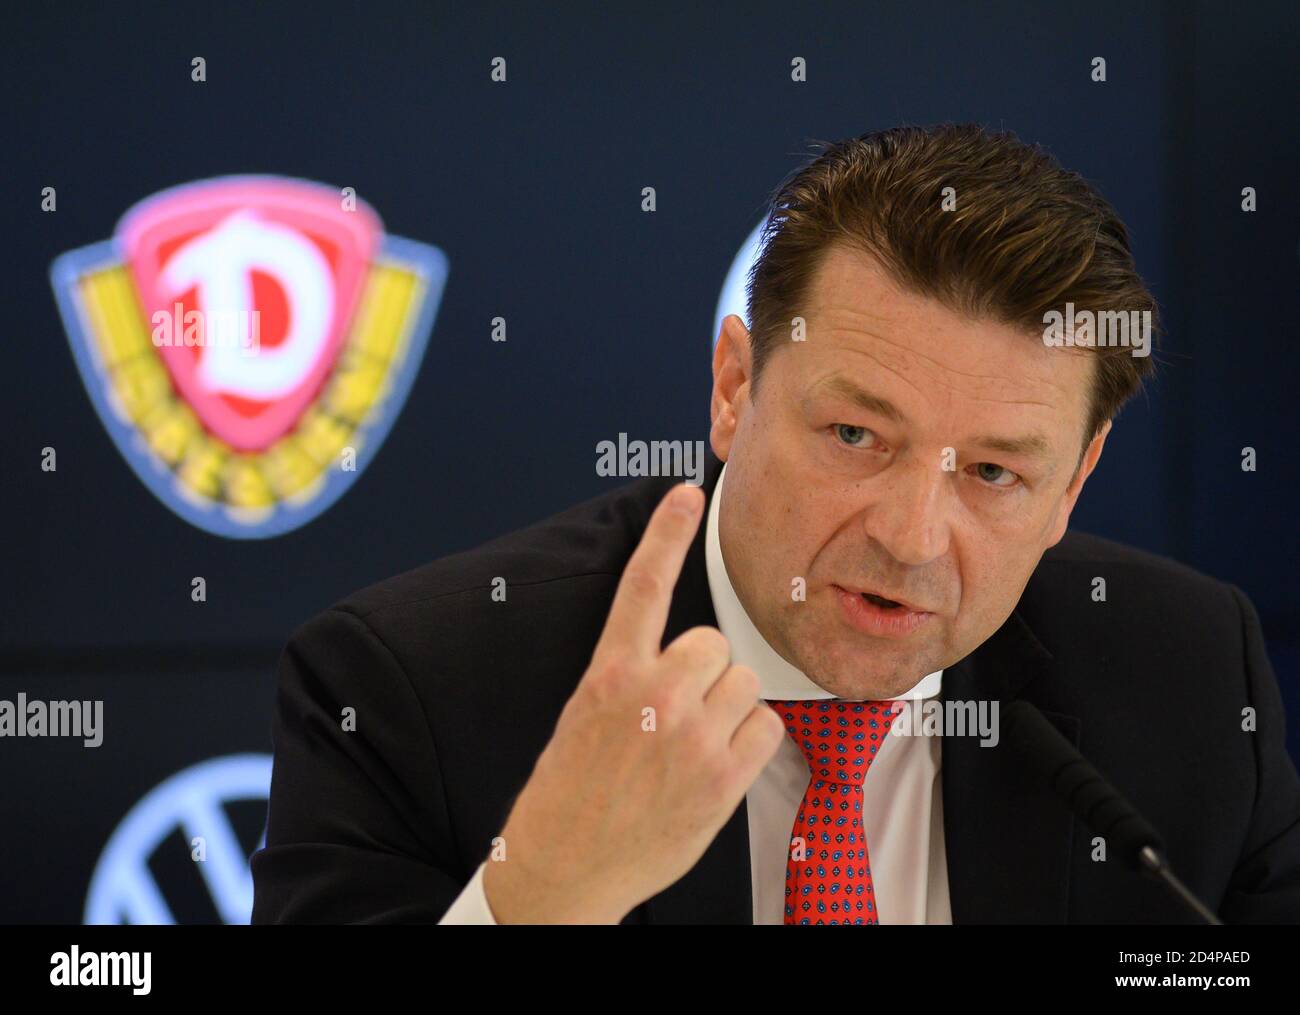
996,475
854,436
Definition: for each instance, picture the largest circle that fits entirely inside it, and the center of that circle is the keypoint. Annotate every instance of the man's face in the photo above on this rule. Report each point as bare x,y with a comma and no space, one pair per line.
900,451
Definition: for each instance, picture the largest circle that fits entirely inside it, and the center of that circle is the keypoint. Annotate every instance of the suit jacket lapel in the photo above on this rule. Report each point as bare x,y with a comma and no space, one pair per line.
1008,839
717,889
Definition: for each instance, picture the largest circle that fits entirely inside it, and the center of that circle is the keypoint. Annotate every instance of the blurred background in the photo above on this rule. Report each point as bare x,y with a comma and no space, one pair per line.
531,188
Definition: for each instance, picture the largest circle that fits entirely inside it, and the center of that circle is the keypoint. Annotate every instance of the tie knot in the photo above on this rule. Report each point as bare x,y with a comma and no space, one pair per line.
839,738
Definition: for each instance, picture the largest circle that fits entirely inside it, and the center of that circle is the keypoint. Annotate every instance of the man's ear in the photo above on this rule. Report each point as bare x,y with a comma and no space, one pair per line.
731,384
1091,455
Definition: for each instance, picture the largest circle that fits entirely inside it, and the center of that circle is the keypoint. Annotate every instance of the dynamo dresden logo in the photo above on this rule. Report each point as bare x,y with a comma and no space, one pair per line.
248,342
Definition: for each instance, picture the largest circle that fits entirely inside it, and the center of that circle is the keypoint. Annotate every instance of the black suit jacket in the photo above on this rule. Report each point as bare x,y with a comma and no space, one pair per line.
456,695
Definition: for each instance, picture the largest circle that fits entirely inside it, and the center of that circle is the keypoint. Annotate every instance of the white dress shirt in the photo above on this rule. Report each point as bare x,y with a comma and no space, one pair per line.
902,792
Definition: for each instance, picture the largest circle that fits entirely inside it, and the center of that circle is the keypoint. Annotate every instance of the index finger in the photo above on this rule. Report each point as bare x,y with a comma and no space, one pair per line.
640,610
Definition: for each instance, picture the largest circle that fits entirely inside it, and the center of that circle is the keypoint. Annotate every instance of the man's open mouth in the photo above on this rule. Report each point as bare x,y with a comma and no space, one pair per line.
879,615
883,602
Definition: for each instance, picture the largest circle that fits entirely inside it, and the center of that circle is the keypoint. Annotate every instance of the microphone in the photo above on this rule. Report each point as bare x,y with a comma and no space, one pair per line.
1095,802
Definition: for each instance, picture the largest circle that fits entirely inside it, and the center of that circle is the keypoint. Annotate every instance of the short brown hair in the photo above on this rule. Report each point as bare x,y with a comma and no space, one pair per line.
1026,237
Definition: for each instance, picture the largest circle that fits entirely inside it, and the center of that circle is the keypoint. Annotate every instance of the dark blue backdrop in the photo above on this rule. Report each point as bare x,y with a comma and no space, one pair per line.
533,189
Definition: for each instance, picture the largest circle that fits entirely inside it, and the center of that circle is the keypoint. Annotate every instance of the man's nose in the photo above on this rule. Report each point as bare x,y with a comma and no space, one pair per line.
909,517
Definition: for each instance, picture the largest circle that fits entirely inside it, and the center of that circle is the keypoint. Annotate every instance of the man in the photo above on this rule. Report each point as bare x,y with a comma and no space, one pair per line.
691,707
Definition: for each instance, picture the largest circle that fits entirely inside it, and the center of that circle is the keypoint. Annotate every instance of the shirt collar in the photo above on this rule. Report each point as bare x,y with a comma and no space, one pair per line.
778,679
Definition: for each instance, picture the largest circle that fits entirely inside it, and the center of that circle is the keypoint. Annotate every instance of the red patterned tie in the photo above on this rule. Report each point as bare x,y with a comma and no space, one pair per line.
831,882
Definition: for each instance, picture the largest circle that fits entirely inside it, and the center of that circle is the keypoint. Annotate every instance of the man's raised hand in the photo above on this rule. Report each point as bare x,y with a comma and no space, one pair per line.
652,753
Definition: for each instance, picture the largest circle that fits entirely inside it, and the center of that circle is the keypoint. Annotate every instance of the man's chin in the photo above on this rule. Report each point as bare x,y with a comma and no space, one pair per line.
858,688
870,674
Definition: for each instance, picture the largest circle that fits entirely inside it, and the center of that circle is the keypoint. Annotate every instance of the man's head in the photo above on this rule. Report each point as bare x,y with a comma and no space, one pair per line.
894,424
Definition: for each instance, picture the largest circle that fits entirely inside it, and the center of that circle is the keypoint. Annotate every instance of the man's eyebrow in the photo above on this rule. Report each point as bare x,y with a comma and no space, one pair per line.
1034,445
845,388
